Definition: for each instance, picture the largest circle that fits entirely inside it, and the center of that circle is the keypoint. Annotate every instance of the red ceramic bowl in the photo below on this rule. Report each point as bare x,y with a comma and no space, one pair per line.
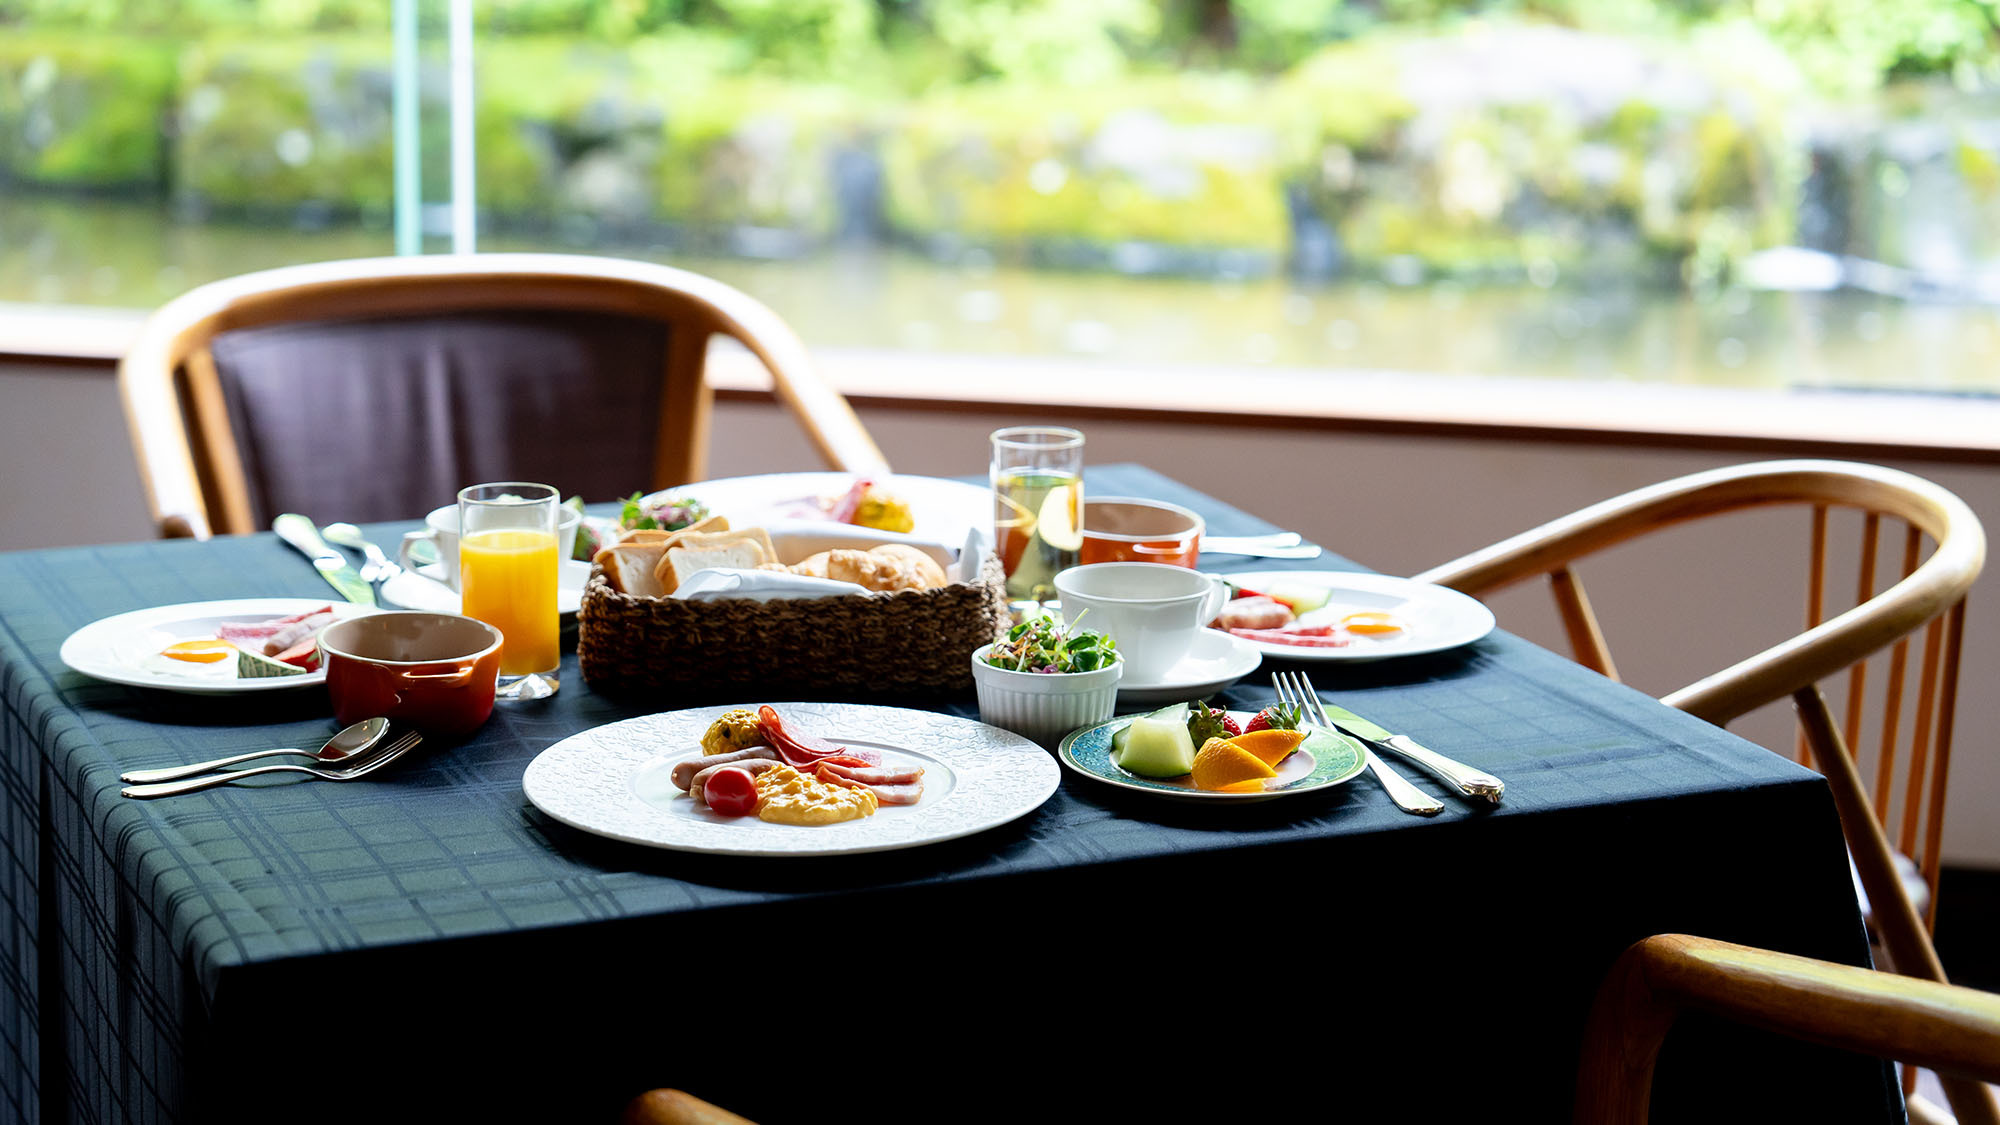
434,671
1124,529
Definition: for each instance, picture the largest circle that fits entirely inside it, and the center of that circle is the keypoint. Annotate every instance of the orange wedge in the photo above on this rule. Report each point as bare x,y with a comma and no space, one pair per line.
1372,621
1221,764
199,652
1270,745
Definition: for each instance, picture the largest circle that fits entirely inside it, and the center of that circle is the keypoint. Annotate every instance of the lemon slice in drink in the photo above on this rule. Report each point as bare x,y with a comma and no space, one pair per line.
1057,521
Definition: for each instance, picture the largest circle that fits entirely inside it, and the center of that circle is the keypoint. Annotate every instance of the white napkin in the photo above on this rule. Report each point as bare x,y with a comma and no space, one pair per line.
759,585
978,541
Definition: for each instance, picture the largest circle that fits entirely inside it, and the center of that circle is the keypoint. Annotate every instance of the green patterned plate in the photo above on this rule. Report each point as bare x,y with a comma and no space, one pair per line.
1323,759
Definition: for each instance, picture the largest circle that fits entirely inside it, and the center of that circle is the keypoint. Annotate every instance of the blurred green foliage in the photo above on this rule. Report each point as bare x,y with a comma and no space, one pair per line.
1470,137
1842,46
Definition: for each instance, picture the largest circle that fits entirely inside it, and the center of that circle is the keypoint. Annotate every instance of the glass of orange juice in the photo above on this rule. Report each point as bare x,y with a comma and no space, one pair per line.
507,563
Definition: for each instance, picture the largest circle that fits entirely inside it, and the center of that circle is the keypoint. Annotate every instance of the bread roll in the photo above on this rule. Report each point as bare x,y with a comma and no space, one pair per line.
925,569
869,570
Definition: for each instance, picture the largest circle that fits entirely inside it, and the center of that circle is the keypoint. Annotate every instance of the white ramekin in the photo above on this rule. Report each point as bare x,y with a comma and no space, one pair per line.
1044,706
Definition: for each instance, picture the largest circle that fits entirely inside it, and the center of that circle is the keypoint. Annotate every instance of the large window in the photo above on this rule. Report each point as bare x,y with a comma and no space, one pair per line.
1785,193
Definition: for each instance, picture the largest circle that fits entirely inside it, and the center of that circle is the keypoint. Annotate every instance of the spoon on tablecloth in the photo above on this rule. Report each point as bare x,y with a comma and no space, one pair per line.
377,567
349,743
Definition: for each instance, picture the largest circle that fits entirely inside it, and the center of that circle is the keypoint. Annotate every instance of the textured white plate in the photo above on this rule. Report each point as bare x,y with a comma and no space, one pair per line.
613,781
424,588
117,648
944,510
1439,618
1215,661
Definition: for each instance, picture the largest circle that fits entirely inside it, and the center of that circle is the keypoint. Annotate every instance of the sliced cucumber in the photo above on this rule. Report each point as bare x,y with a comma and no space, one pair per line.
251,666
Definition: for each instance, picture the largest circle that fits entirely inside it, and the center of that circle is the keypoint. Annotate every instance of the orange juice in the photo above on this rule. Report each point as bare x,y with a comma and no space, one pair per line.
508,578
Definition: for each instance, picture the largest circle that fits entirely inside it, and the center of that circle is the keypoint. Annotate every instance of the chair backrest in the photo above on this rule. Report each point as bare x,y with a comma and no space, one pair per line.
373,389
1936,557
1952,1031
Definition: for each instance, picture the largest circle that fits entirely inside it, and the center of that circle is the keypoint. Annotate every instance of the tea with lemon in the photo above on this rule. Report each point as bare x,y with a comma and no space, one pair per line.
508,578
1035,520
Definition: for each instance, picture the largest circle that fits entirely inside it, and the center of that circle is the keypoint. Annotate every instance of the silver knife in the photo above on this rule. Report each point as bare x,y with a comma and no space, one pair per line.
331,564
1469,781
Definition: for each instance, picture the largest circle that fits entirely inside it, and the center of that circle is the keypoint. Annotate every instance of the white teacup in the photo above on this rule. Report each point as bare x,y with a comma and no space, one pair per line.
1152,610
441,531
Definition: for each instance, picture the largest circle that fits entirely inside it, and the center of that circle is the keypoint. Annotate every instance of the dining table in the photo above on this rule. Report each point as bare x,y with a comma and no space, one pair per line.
427,943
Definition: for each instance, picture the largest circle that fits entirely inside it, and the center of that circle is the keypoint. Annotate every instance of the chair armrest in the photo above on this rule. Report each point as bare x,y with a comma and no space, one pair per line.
1952,1030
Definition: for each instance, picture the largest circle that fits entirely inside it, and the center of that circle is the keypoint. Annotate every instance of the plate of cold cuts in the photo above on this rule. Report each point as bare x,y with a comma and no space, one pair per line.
930,778
1330,615
210,648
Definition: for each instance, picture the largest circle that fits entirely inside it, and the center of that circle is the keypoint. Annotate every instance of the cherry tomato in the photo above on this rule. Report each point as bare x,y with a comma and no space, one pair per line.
731,791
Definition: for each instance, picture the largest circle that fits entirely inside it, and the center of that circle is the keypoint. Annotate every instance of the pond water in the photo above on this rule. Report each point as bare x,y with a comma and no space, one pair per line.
97,252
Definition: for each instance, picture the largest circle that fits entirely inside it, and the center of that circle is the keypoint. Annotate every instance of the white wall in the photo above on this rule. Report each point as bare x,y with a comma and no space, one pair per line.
1673,610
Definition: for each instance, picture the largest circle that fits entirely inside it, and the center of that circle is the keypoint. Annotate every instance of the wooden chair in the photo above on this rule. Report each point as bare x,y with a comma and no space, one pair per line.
668,1106
1952,1031
1937,557
375,388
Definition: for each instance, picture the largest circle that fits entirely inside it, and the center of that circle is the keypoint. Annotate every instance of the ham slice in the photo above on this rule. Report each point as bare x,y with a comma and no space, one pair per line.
872,775
1322,637
268,638
296,633
802,751
1258,612
901,794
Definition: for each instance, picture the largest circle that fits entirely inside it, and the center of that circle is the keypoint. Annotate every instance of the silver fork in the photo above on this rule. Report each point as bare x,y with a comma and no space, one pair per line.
393,751
1295,692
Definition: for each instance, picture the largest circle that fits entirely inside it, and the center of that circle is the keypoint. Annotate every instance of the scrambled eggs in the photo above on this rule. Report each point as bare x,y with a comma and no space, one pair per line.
883,512
786,796
735,730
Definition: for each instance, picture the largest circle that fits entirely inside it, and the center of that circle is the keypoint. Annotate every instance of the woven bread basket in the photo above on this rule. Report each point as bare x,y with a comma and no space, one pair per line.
906,643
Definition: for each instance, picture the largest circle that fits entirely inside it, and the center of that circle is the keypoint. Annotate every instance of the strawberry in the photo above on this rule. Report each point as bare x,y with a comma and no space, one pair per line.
1278,716
1205,722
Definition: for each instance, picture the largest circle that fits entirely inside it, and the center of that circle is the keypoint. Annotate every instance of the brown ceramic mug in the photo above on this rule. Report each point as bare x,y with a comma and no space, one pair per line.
434,671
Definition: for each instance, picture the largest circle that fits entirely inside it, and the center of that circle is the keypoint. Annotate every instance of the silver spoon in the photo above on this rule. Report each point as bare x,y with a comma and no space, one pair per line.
356,739
378,567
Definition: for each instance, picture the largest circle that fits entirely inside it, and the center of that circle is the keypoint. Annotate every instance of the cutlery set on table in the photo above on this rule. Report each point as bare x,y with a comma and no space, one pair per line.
357,751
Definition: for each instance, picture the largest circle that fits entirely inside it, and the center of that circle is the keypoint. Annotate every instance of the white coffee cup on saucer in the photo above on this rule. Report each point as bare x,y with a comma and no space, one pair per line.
441,531
1153,611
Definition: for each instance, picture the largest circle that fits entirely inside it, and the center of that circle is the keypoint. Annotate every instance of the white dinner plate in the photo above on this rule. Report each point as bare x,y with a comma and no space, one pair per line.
1214,662
615,781
944,510
1439,618
424,588
121,648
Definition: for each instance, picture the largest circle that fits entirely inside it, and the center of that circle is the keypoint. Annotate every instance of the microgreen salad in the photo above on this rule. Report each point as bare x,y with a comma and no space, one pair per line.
1048,644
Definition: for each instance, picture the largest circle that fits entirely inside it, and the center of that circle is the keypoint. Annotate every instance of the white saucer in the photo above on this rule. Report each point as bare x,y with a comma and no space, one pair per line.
424,588
1216,661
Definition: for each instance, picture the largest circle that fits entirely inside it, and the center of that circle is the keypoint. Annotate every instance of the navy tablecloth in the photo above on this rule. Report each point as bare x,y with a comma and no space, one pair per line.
446,948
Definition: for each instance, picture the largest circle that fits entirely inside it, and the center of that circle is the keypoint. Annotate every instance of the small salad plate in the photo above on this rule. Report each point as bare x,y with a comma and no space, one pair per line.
1216,661
125,649
424,588
1323,760
1436,618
